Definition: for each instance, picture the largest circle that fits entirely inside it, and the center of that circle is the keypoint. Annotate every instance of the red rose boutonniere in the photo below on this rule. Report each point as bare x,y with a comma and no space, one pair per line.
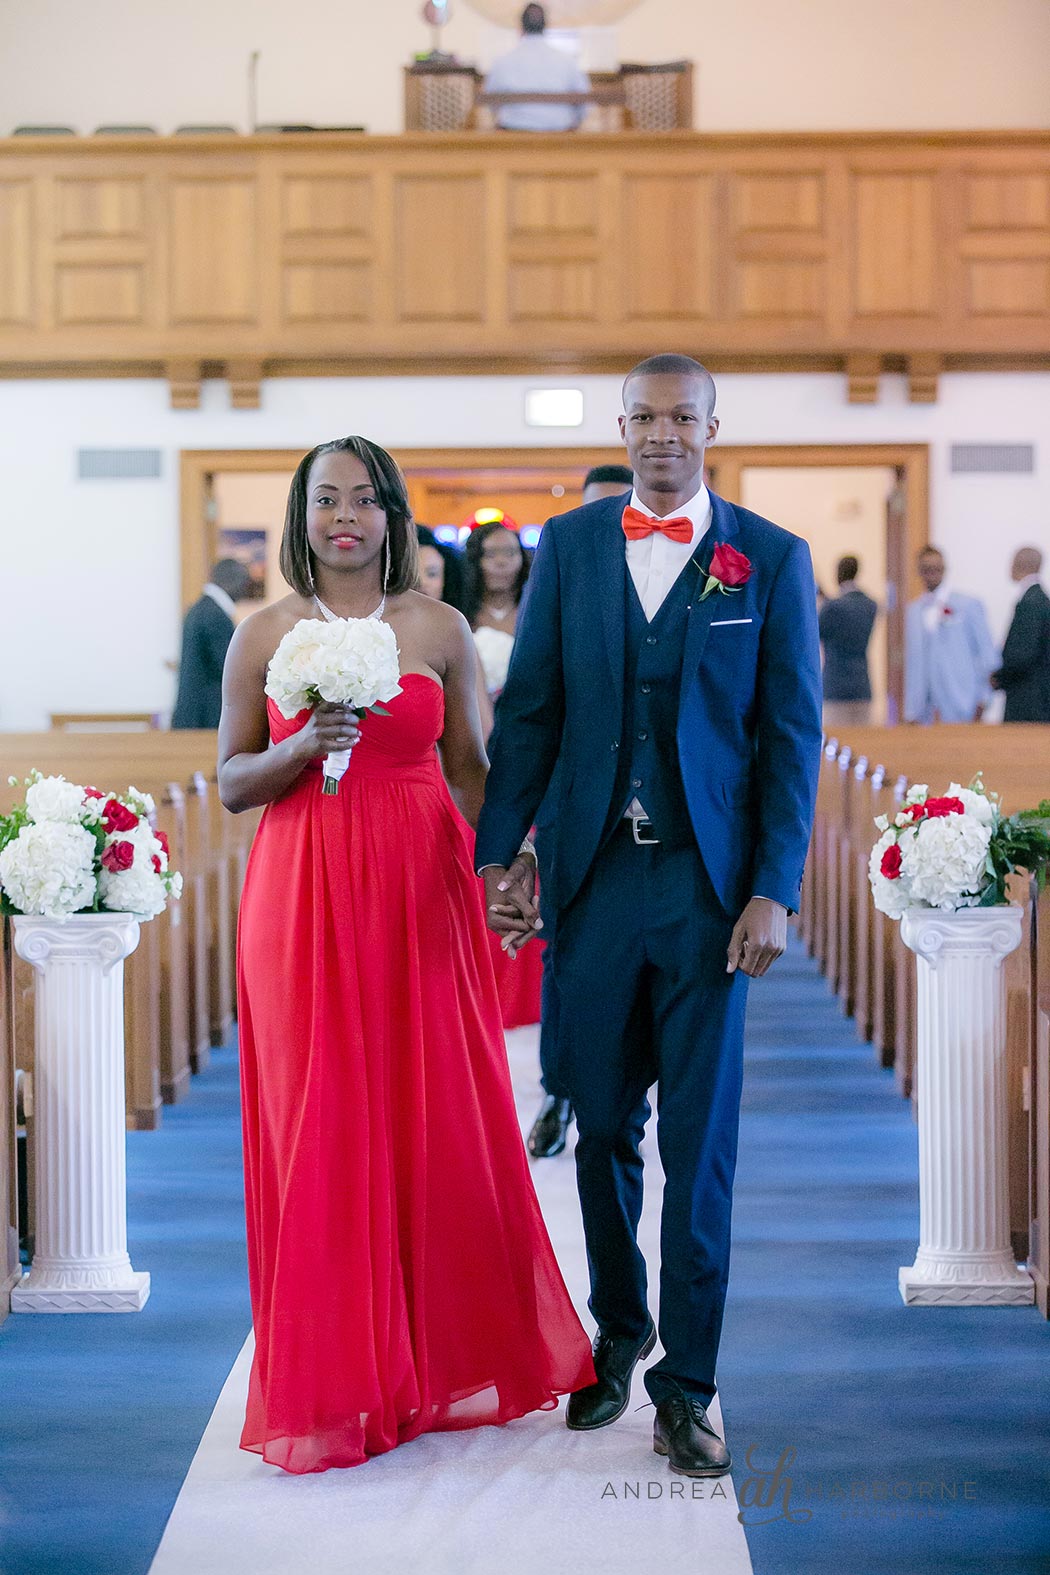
729,571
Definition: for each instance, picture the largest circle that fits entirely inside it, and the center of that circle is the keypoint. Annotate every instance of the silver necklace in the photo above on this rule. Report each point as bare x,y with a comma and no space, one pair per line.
498,612
334,617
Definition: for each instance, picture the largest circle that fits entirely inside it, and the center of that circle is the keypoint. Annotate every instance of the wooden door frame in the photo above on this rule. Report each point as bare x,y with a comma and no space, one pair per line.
726,462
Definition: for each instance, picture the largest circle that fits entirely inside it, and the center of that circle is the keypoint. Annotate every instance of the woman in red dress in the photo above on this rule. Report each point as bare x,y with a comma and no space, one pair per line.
401,1276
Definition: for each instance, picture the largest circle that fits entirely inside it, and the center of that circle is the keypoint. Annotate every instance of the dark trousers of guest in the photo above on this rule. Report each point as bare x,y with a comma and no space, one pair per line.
639,965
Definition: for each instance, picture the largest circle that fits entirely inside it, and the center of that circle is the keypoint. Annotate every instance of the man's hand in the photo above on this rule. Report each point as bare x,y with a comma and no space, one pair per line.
759,937
510,904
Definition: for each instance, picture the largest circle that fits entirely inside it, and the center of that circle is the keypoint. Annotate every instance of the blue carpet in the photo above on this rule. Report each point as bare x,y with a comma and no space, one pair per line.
100,1415
920,1435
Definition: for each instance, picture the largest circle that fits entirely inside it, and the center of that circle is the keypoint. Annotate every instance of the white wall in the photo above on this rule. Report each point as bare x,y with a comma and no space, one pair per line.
762,64
90,570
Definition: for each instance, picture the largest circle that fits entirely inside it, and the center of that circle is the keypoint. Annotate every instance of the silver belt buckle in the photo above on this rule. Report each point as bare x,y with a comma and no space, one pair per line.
637,822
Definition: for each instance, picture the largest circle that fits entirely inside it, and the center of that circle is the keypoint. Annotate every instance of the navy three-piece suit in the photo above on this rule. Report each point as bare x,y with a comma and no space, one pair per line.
710,714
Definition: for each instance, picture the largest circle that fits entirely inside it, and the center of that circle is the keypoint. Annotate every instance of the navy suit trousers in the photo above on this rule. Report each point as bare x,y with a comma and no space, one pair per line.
643,997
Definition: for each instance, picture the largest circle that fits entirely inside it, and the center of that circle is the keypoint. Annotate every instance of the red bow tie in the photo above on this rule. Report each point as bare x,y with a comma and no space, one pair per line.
636,526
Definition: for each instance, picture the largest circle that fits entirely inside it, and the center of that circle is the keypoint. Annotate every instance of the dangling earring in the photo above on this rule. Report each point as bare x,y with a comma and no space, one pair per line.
386,570
310,571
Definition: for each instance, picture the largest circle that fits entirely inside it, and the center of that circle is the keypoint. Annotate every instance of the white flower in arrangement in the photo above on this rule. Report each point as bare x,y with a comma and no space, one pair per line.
53,798
882,822
890,894
917,794
979,805
135,890
494,648
48,869
943,861
142,803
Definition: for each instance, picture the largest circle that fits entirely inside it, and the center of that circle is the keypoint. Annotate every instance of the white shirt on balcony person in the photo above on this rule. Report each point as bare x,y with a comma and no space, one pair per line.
534,66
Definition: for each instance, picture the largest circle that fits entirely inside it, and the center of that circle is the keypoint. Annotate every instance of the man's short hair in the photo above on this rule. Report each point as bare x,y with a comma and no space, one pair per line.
607,474
534,19
930,551
674,366
848,569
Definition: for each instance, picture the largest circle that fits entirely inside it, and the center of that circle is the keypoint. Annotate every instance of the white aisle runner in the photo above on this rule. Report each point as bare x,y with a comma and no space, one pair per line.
528,1496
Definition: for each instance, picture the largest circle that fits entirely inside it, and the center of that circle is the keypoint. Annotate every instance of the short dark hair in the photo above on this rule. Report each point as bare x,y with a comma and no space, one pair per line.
930,551
473,577
231,576
608,473
670,365
848,569
534,19
392,496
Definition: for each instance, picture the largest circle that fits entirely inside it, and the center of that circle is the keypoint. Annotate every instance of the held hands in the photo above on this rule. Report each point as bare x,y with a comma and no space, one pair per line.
510,904
329,729
759,938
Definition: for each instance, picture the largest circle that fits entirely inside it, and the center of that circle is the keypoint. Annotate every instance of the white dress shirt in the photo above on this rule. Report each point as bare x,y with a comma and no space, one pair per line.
535,66
1025,585
655,561
222,599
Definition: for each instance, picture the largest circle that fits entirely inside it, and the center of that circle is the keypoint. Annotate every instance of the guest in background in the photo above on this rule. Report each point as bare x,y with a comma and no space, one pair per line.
440,569
846,622
497,568
534,66
949,654
607,481
206,635
1024,676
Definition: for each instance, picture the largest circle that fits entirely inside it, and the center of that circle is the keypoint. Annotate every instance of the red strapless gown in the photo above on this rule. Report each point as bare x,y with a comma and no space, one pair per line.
402,1280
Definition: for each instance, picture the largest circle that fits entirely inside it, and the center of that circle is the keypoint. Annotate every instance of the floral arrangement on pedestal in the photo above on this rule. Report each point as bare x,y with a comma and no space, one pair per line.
955,851
67,849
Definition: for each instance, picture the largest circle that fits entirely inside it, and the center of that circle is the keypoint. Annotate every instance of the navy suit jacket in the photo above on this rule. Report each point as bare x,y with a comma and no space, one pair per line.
749,720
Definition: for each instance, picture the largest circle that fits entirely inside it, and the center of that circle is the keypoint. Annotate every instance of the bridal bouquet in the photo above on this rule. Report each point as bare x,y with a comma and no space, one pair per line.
350,661
494,649
954,851
67,849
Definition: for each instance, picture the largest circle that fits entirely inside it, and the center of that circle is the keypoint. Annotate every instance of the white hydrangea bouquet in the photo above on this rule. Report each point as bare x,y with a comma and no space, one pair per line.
68,849
954,851
350,661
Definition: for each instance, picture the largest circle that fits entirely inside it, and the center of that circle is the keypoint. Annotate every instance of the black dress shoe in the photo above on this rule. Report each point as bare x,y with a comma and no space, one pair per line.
615,1359
547,1137
683,1433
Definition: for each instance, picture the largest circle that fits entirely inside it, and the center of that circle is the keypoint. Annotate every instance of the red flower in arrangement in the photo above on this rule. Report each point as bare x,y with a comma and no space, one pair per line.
916,811
93,793
891,862
118,856
937,808
162,838
729,567
117,817
156,864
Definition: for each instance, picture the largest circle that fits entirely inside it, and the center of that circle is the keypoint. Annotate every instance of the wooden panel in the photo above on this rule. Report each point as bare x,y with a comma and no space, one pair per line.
17,260
552,205
667,246
441,267
894,241
320,292
106,208
1009,286
327,205
213,254
561,291
98,293
782,202
793,287
1008,200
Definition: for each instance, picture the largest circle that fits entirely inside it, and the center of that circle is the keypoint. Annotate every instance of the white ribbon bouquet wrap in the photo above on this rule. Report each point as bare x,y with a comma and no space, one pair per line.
350,661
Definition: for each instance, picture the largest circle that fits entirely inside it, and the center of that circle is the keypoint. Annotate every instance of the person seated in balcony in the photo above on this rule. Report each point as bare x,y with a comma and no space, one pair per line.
535,66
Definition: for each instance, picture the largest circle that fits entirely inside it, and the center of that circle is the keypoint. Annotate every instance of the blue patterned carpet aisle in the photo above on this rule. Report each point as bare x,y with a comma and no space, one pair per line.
100,1416
890,1411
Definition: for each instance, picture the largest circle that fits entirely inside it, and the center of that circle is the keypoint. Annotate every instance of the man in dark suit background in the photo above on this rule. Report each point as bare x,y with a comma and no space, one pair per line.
1024,676
667,671
846,622
206,635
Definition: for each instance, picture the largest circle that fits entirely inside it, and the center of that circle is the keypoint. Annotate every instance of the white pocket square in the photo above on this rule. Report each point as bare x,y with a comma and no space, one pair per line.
725,623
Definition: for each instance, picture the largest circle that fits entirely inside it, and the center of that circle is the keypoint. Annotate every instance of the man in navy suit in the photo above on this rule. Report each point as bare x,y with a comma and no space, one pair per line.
667,667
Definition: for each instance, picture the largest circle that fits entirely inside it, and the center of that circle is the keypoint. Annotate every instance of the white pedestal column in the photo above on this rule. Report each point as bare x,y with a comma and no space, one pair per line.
81,1262
964,1256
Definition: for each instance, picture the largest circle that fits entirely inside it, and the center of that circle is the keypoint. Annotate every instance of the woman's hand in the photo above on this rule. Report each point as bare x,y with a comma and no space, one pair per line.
330,729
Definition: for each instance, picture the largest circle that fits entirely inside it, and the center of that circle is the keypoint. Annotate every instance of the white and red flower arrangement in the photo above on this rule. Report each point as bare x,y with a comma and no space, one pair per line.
954,851
730,571
68,849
